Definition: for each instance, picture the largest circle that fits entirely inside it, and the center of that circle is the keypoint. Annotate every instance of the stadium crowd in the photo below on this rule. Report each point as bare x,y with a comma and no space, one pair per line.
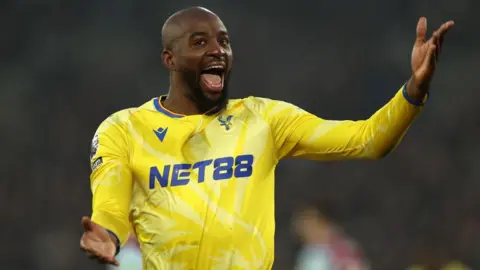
67,65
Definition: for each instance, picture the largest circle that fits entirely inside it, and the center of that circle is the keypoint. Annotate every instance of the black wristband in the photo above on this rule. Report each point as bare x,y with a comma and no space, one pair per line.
413,102
117,242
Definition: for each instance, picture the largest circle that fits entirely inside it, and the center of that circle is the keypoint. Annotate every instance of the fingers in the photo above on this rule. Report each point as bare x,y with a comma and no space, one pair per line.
435,40
442,31
438,37
87,224
439,45
104,260
94,247
421,30
445,27
96,255
115,262
431,57
426,53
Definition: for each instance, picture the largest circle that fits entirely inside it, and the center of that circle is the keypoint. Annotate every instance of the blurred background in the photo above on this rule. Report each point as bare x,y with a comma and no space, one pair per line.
67,65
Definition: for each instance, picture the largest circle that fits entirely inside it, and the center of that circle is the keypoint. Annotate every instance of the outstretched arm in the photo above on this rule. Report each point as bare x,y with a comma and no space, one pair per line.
300,134
111,179
111,185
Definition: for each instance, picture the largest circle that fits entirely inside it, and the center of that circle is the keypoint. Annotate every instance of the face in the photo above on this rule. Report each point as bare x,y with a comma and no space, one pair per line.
304,226
202,57
309,225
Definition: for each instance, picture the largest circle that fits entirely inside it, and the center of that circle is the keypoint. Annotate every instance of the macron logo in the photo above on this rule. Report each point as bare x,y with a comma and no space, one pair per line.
161,133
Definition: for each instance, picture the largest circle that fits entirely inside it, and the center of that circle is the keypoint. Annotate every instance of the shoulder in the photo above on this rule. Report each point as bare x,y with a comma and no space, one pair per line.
264,106
117,120
112,131
122,118
259,103
271,108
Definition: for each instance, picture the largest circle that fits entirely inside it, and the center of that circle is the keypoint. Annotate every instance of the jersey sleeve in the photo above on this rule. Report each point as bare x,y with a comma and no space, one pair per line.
298,133
111,178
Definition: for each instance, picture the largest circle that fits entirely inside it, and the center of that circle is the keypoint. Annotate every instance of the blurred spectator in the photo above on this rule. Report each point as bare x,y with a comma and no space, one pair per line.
433,254
453,265
325,246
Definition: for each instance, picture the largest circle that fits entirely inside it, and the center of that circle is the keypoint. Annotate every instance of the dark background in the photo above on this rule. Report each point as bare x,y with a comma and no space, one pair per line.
67,65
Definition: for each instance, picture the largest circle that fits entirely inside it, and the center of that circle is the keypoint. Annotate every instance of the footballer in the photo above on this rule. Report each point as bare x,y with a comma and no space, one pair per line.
191,173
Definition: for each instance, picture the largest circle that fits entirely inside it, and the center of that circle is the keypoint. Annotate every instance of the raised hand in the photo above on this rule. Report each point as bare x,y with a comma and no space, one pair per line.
97,242
425,54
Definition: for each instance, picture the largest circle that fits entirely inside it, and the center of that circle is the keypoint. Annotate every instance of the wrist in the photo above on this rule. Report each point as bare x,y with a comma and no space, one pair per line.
415,94
115,240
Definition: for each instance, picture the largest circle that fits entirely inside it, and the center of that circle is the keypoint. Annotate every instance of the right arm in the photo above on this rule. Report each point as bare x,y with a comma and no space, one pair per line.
111,179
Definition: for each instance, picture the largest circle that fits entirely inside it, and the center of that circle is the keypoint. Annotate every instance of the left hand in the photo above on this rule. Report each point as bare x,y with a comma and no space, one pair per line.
425,55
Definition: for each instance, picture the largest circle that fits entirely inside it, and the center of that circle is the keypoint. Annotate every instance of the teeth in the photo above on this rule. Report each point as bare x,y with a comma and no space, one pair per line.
215,67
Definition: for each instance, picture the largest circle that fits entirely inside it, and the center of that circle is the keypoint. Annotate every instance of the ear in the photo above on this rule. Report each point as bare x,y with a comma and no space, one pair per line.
168,60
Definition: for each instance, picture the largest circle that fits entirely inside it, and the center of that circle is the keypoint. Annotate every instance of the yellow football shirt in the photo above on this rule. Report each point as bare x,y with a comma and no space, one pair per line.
198,191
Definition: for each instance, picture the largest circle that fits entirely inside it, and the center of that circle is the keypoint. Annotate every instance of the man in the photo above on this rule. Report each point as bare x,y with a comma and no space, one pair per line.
324,245
192,173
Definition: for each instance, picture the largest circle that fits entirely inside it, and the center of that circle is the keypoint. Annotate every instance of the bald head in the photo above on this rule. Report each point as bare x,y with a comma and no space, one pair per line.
197,52
176,25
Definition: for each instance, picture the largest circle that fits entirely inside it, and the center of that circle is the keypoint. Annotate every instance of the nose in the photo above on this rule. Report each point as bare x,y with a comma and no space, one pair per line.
216,50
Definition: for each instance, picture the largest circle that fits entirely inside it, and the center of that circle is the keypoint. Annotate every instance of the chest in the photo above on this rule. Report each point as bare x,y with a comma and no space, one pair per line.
177,152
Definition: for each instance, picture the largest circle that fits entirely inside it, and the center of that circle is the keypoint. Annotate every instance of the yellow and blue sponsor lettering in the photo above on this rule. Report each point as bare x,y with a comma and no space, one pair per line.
224,168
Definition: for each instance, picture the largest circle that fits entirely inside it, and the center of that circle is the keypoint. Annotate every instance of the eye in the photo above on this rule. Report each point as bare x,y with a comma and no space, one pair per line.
224,41
199,42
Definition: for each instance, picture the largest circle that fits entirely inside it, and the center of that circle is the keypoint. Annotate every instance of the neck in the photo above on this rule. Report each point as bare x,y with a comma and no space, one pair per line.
177,100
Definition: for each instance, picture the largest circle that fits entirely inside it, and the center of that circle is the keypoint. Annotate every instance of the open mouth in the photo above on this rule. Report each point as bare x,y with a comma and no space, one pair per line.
212,78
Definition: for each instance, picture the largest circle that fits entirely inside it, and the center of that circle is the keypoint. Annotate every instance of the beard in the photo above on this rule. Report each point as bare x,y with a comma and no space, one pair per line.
203,100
